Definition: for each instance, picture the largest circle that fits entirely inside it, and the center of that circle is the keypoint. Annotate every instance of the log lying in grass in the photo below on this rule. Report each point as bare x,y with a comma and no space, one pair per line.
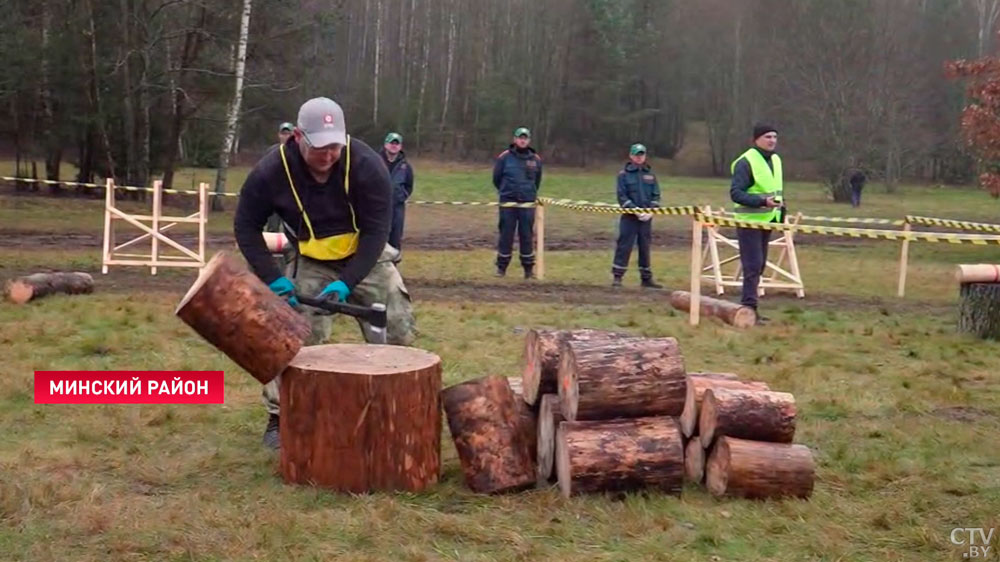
35,286
694,461
620,455
747,414
549,418
235,311
755,469
541,357
977,273
485,424
632,377
697,384
731,313
362,418
979,309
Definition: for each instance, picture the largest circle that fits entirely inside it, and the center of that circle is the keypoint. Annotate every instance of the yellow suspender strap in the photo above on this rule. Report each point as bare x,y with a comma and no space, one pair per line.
347,188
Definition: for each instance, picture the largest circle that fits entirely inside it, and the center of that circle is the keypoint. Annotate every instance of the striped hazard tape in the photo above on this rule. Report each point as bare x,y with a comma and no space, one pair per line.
975,239
950,223
476,204
122,187
596,207
844,220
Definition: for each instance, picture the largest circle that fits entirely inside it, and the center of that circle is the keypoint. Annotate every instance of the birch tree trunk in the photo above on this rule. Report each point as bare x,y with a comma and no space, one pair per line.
378,58
234,108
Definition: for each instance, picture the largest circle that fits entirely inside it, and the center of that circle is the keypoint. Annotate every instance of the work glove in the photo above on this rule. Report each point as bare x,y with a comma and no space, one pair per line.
283,287
338,288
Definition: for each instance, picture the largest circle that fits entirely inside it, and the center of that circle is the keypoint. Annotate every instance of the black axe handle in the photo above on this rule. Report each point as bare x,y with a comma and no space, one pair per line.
374,315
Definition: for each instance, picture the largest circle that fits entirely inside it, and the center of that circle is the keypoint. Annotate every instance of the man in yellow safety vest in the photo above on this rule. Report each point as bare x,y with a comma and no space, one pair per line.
756,190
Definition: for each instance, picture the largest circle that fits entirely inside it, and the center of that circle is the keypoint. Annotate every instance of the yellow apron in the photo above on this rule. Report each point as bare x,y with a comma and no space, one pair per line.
332,247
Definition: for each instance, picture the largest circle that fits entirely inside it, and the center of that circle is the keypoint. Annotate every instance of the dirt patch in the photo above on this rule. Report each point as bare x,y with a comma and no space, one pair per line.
964,414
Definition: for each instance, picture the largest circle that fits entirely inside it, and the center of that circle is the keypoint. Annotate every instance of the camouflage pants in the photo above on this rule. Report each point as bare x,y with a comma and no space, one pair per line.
383,284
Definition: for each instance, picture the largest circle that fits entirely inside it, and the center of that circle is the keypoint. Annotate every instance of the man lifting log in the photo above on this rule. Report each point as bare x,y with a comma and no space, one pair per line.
335,193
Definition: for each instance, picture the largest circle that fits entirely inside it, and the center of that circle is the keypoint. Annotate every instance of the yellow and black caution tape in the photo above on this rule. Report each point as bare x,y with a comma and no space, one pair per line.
528,205
950,223
50,182
844,220
975,239
596,207
122,187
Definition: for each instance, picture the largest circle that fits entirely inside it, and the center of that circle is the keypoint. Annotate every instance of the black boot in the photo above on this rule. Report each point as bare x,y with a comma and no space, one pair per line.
529,272
272,439
650,284
617,283
500,272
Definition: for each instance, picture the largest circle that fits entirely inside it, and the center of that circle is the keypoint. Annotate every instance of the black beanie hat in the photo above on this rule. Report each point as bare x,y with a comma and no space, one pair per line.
761,129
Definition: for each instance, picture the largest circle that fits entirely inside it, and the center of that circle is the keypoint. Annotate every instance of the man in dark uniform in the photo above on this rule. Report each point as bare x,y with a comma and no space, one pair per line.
637,189
334,193
517,175
401,175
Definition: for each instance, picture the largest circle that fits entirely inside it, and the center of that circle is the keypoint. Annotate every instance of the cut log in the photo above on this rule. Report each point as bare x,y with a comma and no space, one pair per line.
528,416
484,421
632,377
979,310
694,461
754,469
361,418
731,313
549,418
236,312
757,415
38,285
697,384
620,455
977,273
541,357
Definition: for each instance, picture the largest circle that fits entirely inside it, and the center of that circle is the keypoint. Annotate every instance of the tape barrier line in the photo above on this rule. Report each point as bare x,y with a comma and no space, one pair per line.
476,204
596,207
974,239
122,187
950,223
845,220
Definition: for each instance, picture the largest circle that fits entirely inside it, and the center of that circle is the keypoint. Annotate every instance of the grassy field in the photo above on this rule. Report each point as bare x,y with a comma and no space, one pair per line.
899,409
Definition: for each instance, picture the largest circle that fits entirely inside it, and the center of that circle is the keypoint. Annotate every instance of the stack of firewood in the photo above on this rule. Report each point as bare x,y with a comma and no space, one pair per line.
599,411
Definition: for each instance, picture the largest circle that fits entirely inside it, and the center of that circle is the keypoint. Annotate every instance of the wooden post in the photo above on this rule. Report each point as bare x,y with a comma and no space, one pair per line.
904,261
540,241
694,313
109,202
793,259
713,248
157,201
203,215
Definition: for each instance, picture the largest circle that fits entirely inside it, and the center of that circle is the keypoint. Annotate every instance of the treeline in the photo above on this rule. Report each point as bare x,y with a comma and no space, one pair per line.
136,88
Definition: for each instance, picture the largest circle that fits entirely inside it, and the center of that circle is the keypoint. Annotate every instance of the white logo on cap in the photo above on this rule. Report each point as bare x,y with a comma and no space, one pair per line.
328,119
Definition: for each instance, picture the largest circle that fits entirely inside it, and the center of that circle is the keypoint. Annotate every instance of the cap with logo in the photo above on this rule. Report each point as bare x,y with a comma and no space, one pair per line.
393,137
321,121
522,132
637,149
286,126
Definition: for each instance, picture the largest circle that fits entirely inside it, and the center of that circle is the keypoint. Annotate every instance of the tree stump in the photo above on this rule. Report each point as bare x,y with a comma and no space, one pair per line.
236,312
633,377
731,313
754,469
360,418
979,310
694,461
697,384
485,424
549,418
528,415
620,455
38,285
747,414
541,358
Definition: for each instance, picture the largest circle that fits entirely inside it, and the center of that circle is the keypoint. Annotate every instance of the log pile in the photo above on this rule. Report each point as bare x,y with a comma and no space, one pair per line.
618,413
979,302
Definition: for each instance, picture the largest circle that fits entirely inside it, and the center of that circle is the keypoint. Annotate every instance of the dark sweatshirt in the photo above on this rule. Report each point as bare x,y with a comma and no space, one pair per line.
743,180
266,191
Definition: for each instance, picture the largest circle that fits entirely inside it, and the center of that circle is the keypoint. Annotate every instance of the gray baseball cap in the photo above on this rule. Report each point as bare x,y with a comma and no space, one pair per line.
321,121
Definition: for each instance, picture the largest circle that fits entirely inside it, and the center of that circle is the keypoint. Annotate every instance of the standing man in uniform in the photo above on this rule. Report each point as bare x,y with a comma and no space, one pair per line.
517,175
334,193
756,190
637,189
401,176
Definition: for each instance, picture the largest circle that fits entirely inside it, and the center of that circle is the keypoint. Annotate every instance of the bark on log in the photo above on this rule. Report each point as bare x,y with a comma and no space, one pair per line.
979,310
541,358
694,461
632,377
697,384
731,313
620,455
549,418
484,421
977,273
361,418
759,415
236,312
528,416
754,469
38,285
